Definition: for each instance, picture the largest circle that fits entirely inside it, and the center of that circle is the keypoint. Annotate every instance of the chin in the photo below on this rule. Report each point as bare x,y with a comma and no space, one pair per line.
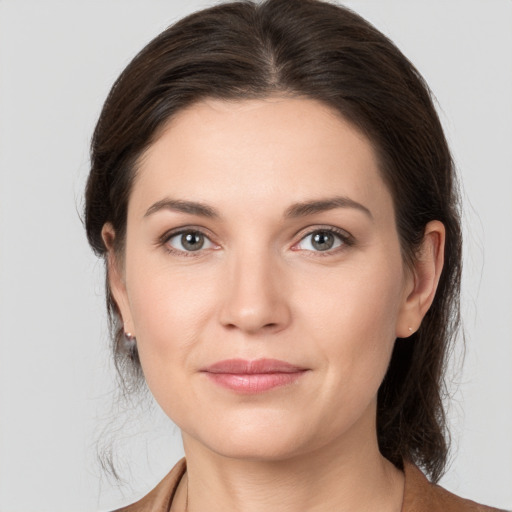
259,440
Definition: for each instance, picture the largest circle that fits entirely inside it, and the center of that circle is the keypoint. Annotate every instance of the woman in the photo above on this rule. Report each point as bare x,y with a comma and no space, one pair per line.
277,207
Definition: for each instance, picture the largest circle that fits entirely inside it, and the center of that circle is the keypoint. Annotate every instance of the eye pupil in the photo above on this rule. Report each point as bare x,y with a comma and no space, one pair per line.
192,241
322,240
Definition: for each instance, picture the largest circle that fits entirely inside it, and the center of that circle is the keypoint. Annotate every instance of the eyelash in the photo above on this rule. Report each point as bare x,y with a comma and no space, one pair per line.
345,238
164,241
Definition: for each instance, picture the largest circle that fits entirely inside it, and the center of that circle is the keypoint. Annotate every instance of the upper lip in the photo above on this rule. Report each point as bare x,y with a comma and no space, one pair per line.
257,366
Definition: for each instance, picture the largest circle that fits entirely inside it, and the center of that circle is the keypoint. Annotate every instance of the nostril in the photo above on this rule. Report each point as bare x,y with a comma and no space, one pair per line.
268,326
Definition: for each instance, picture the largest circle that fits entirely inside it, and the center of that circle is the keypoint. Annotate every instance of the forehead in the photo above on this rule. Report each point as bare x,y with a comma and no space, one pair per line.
267,152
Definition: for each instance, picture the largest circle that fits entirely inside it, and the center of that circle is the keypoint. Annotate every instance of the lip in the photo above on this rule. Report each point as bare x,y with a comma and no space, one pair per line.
256,376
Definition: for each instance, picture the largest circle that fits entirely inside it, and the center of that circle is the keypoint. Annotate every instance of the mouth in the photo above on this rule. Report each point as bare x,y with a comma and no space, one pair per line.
251,377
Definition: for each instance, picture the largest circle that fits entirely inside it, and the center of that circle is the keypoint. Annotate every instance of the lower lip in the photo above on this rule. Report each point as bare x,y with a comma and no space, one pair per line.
254,383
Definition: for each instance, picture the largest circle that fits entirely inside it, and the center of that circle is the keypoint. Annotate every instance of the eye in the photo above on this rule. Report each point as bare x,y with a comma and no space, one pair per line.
189,241
322,240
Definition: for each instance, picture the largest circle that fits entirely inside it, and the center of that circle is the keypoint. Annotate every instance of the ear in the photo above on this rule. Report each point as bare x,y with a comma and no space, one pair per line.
115,276
422,280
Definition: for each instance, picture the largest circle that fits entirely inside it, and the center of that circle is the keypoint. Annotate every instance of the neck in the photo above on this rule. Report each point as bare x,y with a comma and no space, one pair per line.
347,475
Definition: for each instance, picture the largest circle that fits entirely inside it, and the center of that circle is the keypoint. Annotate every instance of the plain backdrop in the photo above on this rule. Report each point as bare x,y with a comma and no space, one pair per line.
58,60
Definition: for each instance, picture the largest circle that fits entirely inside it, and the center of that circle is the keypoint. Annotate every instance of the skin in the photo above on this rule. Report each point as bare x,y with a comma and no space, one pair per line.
259,289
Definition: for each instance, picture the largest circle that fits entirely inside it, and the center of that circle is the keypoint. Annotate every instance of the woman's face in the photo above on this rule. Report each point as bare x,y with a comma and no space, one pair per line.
263,277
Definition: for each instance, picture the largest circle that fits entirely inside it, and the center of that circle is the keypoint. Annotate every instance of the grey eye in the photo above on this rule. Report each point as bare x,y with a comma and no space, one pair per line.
192,241
321,240
189,241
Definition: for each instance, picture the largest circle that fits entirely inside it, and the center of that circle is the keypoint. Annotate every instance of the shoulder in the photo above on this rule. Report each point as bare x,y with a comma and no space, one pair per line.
160,498
422,496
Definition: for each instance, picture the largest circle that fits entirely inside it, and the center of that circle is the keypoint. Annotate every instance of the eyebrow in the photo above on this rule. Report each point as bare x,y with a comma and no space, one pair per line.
179,205
296,210
322,205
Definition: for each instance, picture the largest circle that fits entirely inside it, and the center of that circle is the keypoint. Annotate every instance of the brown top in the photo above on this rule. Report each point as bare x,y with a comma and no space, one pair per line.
419,495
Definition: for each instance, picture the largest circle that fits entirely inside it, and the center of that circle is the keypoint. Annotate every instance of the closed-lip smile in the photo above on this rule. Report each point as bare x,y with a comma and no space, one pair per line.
256,376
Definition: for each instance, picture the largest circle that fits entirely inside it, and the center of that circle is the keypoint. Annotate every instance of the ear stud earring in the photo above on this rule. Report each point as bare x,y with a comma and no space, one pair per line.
130,346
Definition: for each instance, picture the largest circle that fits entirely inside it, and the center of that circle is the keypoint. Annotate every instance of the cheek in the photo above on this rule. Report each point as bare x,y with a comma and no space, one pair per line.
170,308
354,298
352,317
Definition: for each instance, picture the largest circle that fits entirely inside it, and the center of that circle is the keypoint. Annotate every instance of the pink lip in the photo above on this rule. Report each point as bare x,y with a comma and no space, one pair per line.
253,376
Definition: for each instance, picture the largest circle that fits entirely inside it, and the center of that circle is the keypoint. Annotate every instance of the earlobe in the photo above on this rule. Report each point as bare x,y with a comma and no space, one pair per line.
116,279
422,280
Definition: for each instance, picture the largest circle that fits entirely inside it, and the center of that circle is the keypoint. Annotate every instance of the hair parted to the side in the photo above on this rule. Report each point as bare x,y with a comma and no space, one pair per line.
318,50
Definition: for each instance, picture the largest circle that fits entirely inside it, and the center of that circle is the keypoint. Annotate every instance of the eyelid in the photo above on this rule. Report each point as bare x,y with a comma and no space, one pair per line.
346,238
163,240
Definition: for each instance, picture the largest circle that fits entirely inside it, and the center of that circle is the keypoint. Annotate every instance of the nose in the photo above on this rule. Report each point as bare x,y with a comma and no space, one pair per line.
254,298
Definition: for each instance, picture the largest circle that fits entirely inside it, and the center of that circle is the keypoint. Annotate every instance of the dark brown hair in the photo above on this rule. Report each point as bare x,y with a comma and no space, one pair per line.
313,49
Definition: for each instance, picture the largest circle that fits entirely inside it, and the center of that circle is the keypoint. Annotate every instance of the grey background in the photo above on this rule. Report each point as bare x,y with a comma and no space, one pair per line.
57,62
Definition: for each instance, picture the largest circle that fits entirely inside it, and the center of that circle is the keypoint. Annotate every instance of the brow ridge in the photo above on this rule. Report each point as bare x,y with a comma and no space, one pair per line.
191,207
320,205
296,210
